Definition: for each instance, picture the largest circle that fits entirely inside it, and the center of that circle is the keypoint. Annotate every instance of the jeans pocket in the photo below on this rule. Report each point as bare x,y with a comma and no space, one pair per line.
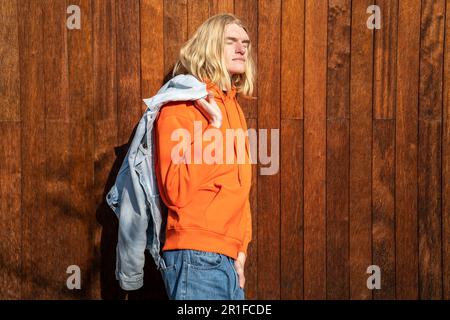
202,260
169,275
207,278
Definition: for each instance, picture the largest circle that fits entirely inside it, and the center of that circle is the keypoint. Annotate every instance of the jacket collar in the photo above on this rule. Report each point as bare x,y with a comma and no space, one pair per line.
181,87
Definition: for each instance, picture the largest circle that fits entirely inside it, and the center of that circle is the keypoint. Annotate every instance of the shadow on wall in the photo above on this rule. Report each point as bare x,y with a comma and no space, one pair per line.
153,288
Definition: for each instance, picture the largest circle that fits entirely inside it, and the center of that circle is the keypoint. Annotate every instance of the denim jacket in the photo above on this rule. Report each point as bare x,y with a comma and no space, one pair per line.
135,198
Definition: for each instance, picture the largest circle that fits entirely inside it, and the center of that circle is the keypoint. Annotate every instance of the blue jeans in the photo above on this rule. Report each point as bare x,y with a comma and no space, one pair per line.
199,275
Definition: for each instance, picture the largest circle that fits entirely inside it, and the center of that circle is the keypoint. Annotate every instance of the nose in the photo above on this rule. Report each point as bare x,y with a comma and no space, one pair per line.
240,48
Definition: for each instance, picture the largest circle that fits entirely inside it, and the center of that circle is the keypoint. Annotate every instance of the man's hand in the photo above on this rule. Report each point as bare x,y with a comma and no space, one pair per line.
239,266
210,109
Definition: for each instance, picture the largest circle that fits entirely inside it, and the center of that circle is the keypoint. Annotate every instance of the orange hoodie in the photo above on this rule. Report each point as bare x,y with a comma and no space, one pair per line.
209,207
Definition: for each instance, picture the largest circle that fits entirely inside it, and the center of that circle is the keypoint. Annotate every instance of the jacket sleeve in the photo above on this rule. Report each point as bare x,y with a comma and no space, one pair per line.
248,228
132,239
180,179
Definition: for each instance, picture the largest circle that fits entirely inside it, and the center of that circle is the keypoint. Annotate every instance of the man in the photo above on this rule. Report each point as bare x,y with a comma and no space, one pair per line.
209,218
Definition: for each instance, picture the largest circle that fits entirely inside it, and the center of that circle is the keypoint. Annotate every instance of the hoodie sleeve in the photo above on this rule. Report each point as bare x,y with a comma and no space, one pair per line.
180,179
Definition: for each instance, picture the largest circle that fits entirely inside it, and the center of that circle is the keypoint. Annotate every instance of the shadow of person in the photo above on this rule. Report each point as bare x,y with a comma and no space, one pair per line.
153,287
110,290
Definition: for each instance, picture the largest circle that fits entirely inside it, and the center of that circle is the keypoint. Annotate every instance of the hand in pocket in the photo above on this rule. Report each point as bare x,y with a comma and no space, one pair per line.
239,266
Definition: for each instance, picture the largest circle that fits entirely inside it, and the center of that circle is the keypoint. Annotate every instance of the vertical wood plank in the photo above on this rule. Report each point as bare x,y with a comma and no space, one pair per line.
360,207
269,29
55,60
247,11
34,280
430,139
198,12
9,62
152,77
220,6
337,209
385,63
429,205
291,196
406,258
383,215
251,263
10,206
431,59
80,232
105,140
338,49
292,58
338,99
152,46
57,146
10,153
446,161
315,149
175,31
130,106
129,103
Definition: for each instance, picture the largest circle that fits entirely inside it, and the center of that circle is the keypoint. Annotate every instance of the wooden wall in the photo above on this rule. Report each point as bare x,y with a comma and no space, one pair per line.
364,142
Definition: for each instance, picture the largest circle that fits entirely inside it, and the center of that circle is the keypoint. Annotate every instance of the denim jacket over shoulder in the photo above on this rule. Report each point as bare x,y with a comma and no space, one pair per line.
135,198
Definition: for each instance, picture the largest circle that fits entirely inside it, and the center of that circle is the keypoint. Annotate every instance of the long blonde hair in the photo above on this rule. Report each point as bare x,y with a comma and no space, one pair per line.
202,56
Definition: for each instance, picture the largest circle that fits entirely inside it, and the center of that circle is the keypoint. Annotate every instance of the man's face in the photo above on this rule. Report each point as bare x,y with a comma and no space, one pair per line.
235,48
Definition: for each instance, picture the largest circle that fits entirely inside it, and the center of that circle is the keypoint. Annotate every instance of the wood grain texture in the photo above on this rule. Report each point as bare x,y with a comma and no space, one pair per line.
57,149
406,256
446,161
175,31
152,78
129,103
55,62
337,209
291,209
10,206
220,6
431,59
292,58
338,59
34,278
429,209
9,62
360,193
338,100
104,35
315,149
430,144
269,17
197,12
152,46
80,228
385,62
10,153
383,209
251,264
247,12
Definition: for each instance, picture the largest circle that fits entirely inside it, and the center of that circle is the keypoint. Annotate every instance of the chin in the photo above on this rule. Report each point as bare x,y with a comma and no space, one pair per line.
237,71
